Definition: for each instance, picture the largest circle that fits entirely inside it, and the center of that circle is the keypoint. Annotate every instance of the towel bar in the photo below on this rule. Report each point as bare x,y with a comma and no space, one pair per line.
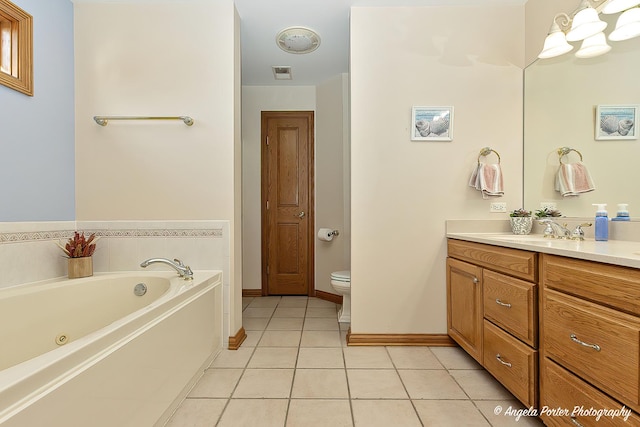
563,151
486,151
103,120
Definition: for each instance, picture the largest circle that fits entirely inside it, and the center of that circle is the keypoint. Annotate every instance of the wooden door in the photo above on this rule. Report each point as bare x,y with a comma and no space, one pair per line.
464,306
287,203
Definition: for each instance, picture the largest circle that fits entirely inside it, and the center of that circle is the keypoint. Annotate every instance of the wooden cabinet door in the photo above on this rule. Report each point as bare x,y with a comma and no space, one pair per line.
464,306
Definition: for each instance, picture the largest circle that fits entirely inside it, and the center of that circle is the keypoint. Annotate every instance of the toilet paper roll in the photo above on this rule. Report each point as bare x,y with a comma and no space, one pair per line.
325,234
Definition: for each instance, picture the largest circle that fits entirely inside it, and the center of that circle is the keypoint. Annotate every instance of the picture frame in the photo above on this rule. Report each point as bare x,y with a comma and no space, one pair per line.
432,123
616,122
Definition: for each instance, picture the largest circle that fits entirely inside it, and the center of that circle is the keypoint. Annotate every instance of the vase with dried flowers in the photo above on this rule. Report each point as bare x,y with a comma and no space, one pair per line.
79,250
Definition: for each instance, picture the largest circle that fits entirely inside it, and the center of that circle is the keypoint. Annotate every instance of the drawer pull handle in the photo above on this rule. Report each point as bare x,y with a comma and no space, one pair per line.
499,358
574,338
504,304
475,280
574,421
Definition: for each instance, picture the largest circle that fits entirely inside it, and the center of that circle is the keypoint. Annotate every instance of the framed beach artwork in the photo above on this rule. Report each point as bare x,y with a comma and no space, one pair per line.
616,122
432,123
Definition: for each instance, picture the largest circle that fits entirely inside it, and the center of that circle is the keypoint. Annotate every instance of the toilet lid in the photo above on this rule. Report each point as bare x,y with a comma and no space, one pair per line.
342,276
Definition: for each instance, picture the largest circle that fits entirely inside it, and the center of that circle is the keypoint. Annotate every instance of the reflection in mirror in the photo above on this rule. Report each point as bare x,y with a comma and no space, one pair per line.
16,47
560,101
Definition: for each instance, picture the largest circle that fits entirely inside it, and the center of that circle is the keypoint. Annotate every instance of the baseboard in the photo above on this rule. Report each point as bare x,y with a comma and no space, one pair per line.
432,340
236,341
327,296
252,292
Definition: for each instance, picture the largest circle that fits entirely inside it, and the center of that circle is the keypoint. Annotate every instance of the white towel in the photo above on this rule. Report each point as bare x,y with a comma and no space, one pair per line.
487,178
573,179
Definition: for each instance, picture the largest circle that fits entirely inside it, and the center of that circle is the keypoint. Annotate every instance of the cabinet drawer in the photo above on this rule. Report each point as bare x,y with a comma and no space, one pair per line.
611,285
514,262
511,304
561,389
513,363
600,345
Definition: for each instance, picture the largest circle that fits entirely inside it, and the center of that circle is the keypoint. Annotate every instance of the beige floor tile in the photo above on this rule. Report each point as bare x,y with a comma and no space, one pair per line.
322,312
344,326
274,357
480,385
320,339
413,358
285,324
320,384
496,412
293,302
253,337
289,311
375,384
246,301
218,382
280,339
319,413
320,303
264,383
321,324
431,384
343,338
309,357
257,312
384,413
254,412
197,413
233,358
438,413
255,323
367,358
455,358
264,302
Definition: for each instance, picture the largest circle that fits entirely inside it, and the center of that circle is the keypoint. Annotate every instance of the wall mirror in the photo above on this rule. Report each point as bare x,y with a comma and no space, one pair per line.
560,101
16,48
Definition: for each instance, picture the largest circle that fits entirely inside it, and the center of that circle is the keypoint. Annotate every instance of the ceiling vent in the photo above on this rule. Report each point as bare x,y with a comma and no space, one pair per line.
282,72
298,40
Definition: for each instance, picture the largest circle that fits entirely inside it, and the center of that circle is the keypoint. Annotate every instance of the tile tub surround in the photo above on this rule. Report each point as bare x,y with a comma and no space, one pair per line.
28,252
294,369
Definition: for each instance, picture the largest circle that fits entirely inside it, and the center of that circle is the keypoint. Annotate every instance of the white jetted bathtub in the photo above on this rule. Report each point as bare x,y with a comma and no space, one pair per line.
90,352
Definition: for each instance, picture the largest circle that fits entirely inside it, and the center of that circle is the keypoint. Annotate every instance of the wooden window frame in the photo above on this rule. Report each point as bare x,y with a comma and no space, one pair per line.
22,58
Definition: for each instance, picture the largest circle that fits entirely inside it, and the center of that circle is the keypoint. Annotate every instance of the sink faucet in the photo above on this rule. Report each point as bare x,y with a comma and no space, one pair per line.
555,230
183,270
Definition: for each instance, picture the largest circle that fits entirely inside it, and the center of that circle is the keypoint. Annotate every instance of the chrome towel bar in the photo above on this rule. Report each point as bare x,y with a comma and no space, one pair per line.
103,120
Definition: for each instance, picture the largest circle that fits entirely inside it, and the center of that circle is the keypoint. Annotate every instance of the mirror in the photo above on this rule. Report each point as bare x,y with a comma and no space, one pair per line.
560,100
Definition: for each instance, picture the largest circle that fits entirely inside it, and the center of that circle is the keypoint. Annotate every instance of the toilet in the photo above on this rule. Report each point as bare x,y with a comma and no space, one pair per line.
341,282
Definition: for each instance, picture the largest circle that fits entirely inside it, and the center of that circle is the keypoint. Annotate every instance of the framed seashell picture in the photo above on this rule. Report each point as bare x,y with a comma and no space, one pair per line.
432,123
616,122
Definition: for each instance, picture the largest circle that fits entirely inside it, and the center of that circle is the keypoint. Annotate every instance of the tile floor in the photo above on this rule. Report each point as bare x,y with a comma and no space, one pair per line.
294,369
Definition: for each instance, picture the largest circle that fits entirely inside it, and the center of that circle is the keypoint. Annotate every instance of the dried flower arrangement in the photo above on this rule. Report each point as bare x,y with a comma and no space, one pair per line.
520,213
78,246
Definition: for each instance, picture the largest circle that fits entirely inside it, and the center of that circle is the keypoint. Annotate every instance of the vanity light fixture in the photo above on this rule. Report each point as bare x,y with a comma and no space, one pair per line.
585,25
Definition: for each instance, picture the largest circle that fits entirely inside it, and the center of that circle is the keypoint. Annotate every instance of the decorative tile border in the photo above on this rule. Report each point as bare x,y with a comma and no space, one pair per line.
23,237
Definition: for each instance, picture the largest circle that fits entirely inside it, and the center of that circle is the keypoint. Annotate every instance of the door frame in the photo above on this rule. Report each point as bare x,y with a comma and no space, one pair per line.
264,118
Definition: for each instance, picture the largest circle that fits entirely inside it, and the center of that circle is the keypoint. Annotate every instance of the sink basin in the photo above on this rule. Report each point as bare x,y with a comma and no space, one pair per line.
524,238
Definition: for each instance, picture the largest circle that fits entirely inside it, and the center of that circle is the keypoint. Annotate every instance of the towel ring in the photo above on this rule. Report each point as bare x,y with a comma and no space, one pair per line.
486,151
563,151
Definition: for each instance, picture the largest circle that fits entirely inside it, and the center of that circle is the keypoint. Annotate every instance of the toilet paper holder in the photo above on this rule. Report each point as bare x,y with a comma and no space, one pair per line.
335,233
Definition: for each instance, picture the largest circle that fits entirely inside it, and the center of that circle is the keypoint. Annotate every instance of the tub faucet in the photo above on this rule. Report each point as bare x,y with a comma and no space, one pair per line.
183,270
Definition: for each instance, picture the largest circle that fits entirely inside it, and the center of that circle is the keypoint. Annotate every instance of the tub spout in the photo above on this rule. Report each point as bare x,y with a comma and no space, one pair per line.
183,270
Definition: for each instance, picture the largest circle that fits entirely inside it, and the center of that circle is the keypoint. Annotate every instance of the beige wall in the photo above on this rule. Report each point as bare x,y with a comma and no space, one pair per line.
402,191
254,100
332,179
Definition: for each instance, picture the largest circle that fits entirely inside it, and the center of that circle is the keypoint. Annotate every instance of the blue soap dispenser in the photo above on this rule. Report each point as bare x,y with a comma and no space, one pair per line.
602,222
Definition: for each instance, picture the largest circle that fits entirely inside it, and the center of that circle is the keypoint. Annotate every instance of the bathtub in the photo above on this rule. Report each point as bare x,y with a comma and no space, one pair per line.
89,352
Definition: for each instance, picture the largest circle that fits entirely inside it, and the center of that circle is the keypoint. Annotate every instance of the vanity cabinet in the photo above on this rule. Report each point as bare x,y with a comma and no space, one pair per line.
590,338
492,312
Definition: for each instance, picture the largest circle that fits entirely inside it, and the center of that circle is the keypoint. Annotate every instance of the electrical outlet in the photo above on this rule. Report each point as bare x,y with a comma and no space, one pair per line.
548,205
498,207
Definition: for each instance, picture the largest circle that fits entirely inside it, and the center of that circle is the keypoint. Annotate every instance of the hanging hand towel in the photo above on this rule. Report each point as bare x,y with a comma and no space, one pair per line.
487,178
573,179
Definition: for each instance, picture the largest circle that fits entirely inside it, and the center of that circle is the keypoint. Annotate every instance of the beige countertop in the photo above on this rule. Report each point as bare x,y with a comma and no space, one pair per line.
617,252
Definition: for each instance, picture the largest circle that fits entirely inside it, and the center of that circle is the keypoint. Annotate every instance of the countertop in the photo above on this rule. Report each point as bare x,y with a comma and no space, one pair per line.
617,252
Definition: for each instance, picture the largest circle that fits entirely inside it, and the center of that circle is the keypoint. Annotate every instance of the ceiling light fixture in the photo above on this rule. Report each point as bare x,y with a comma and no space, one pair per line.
298,40
585,25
